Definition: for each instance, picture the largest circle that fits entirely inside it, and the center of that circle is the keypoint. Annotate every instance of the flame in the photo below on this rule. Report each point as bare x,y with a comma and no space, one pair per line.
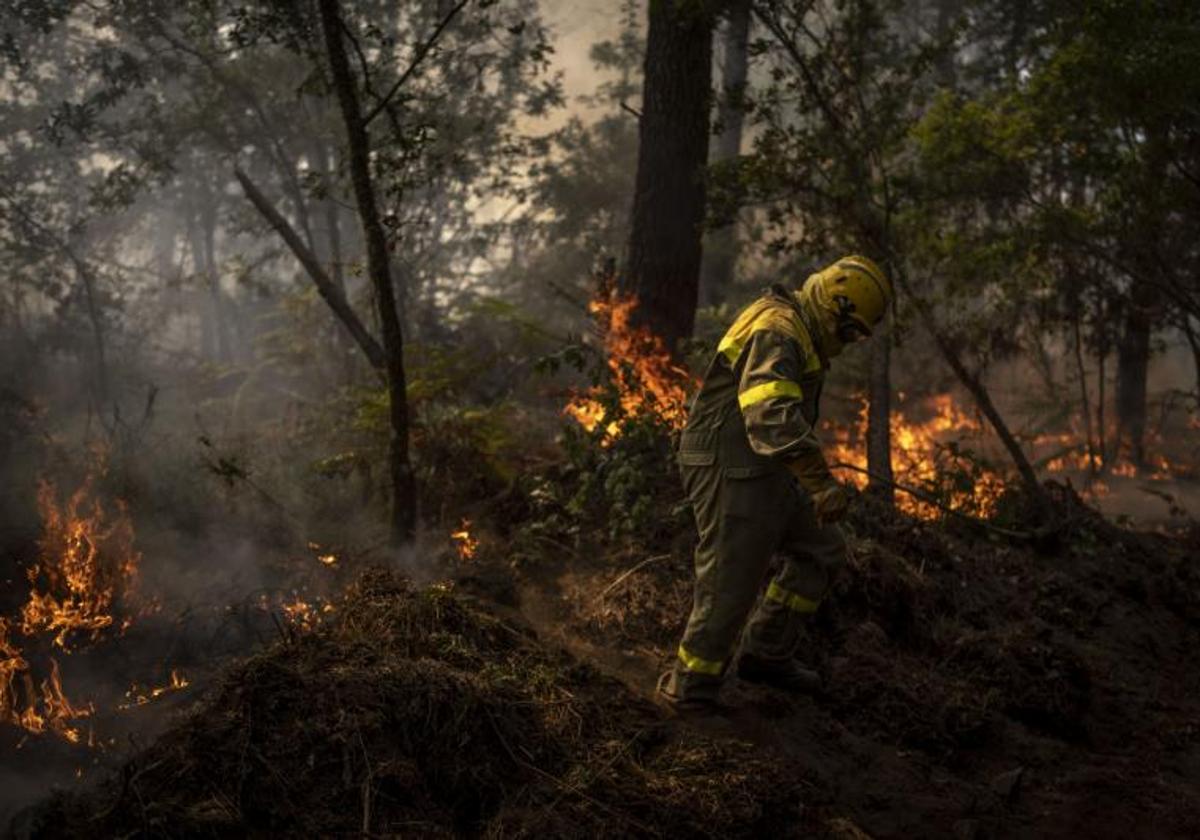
47,709
86,568
646,379
87,561
924,454
302,614
466,544
141,696
324,557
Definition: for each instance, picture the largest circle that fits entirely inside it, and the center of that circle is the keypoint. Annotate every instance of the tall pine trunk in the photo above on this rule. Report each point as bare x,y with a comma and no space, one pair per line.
721,251
663,266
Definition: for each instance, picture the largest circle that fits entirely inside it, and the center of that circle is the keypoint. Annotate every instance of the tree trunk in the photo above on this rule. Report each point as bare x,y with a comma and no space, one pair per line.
213,280
1193,342
200,275
1081,369
1133,362
879,414
668,203
721,251
404,501
101,390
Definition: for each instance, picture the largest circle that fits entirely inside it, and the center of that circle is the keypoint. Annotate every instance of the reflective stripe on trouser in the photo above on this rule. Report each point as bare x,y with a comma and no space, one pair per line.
742,522
811,554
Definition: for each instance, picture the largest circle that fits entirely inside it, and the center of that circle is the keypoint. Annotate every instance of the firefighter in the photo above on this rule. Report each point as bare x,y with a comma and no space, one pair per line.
759,484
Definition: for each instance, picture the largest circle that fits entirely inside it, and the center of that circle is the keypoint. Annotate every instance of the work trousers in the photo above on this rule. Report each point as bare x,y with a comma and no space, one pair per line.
745,517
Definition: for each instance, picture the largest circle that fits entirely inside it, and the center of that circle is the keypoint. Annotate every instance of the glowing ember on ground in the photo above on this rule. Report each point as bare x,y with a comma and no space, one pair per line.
647,381
464,543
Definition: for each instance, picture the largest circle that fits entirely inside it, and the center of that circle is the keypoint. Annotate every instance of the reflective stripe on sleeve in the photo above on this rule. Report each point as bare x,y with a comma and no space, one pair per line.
791,600
777,388
702,666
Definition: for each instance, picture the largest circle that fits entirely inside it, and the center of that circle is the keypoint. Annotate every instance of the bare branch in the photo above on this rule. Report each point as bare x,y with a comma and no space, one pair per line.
417,58
325,286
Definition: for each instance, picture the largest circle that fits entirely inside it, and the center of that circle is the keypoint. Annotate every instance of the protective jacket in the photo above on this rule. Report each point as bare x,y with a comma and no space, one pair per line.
754,414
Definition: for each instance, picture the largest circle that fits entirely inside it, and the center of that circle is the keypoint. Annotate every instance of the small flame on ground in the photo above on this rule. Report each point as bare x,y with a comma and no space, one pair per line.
304,615
140,696
464,543
326,558
647,381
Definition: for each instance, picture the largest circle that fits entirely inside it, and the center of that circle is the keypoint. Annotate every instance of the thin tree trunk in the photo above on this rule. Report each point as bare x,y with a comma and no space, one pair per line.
213,280
325,286
721,251
88,281
1133,362
404,502
200,275
1083,393
668,205
879,413
1194,342
1101,397
981,396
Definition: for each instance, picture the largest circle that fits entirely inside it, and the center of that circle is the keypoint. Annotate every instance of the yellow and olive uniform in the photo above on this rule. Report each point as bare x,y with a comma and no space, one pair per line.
749,426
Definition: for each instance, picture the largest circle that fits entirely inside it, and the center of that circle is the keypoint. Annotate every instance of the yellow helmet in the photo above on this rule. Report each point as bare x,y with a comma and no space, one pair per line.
856,292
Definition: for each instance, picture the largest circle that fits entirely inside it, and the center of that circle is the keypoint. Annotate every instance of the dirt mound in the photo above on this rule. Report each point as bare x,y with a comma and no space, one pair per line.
421,713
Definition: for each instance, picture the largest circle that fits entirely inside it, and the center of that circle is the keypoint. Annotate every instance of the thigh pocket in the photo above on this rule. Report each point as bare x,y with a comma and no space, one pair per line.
752,493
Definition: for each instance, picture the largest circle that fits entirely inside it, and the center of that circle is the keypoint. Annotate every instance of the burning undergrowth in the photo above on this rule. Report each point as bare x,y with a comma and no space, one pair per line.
422,712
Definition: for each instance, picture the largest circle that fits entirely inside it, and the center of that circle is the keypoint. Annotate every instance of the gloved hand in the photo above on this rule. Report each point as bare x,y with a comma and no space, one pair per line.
831,504
830,498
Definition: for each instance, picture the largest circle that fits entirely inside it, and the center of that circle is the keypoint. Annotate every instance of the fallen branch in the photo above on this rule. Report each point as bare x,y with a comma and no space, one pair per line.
930,499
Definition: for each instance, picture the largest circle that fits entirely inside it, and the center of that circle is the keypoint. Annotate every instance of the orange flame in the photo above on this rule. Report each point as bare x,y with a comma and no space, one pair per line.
86,567
647,381
921,458
87,561
141,696
466,544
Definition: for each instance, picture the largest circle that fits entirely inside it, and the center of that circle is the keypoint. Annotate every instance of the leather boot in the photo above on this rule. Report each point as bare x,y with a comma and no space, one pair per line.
787,674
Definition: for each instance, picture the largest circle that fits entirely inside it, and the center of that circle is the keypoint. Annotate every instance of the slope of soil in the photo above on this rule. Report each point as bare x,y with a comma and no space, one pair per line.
977,688
423,713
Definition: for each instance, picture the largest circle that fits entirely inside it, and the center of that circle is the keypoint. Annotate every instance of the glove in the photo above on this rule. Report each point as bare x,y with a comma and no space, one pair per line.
830,498
831,504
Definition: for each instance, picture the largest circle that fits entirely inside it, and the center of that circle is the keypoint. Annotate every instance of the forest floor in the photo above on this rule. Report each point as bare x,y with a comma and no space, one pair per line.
978,687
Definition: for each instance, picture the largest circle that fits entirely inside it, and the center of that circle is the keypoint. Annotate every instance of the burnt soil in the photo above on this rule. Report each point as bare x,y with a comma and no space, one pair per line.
977,687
